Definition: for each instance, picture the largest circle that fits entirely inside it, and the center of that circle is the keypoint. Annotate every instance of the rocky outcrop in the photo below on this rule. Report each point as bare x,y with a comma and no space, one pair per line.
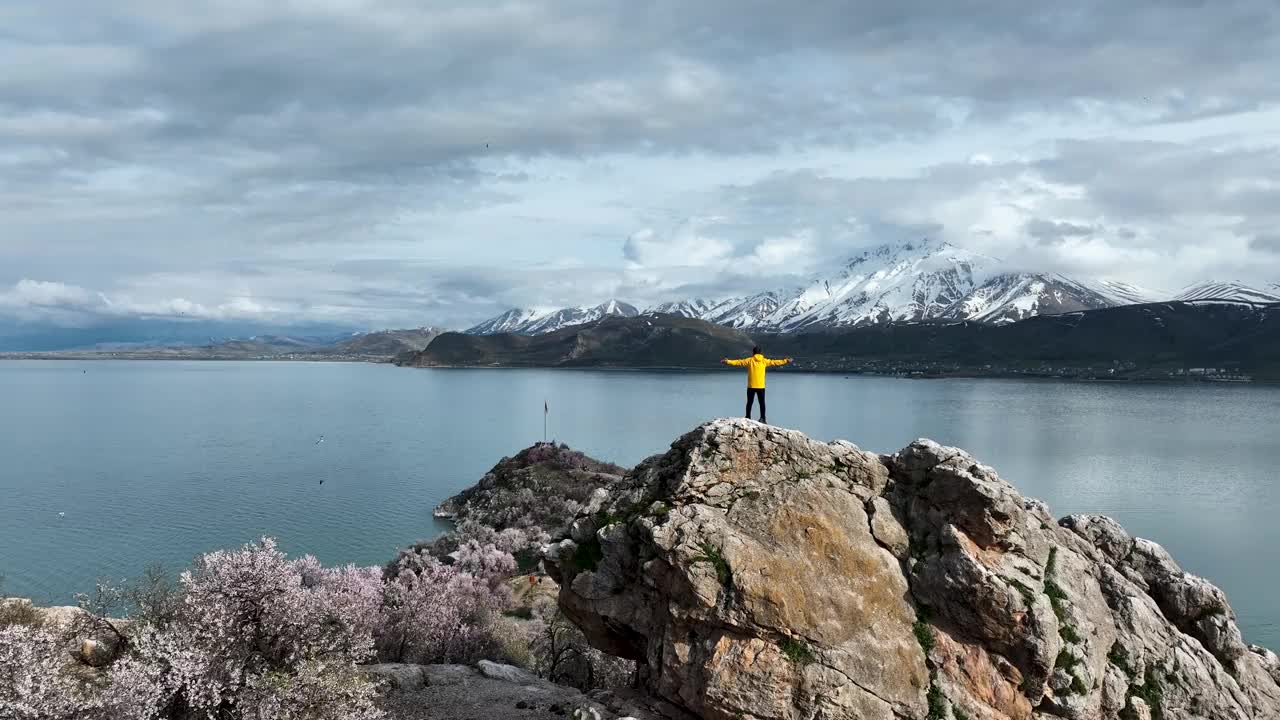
542,486
755,573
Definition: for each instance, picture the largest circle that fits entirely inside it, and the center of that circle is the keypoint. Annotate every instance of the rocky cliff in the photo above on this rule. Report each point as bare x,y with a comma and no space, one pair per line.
755,573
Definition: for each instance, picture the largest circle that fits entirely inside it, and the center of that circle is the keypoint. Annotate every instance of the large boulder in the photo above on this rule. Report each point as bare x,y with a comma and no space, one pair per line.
755,573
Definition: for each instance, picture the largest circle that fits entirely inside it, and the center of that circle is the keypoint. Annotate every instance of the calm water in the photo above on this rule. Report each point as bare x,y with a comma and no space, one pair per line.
158,461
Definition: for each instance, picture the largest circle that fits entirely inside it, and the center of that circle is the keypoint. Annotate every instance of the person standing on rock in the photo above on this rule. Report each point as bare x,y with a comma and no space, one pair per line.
756,365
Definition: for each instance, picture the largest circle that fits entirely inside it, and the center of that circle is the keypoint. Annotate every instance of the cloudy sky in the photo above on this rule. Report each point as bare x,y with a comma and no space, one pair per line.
407,162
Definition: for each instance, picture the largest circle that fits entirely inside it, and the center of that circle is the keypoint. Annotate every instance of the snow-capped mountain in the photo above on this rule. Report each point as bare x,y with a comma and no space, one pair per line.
1126,294
1229,292
511,321
923,280
744,312
522,321
695,308
1010,297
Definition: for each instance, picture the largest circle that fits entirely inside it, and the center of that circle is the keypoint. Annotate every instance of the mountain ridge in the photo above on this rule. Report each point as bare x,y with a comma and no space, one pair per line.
923,280
1157,341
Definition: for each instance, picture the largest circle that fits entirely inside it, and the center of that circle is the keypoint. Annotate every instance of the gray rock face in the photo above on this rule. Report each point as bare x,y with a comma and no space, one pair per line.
491,690
755,573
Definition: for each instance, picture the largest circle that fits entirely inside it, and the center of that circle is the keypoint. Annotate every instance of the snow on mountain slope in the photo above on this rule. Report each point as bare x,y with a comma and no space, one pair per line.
694,308
1228,292
511,321
911,281
537,322
1126,294
914,281
744,312
1010,297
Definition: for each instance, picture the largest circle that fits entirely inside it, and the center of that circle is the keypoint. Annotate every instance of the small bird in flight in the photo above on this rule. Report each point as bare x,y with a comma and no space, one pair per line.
320,440
62,514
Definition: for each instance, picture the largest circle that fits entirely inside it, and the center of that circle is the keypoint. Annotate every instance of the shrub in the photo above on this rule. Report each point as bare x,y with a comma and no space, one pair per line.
924,635
796,651
438,614
155,597
35,684
18,612
562,655
256,636
484,561
712,554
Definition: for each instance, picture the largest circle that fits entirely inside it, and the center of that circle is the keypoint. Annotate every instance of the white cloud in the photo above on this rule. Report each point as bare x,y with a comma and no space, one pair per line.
214,160
692,244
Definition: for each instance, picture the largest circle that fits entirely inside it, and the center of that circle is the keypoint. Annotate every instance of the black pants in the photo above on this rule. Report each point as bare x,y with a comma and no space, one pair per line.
752,393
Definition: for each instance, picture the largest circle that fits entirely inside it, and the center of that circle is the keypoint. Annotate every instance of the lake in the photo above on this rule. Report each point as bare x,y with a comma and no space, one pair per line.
155,462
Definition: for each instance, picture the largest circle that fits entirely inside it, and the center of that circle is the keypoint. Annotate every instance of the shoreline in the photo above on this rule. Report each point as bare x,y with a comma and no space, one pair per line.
865,373
958,375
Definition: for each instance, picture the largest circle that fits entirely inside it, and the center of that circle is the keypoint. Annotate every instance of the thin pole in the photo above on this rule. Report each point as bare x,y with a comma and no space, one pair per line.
545,410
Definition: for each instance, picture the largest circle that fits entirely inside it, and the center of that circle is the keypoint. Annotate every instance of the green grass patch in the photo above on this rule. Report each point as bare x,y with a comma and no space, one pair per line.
1066,661
796,651
1054,592
1057,599
605,518
712,554
1077,685
1151,692
937,703
924,635
1028,595
1070,634
520,613
1211,612
1057,596
1118,657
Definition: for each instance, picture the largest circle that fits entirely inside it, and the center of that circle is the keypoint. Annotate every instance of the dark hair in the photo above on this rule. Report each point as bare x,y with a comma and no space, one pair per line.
755,350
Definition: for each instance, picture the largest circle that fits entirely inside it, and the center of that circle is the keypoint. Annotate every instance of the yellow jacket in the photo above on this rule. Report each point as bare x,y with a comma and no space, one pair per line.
755,369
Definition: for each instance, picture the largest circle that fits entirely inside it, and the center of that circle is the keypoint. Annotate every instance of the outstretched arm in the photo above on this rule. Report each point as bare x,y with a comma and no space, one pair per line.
735,363
783,361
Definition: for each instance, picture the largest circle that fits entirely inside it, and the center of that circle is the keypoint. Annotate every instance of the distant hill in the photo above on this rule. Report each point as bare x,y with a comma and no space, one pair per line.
388,343
1132,341
1229,292
382,345
139,333
650,340
1153,341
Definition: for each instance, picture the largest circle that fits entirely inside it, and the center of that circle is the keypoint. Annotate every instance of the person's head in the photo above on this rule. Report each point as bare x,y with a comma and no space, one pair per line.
756,350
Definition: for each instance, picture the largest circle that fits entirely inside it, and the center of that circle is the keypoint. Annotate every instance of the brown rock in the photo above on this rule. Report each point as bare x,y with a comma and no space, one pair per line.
754,573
